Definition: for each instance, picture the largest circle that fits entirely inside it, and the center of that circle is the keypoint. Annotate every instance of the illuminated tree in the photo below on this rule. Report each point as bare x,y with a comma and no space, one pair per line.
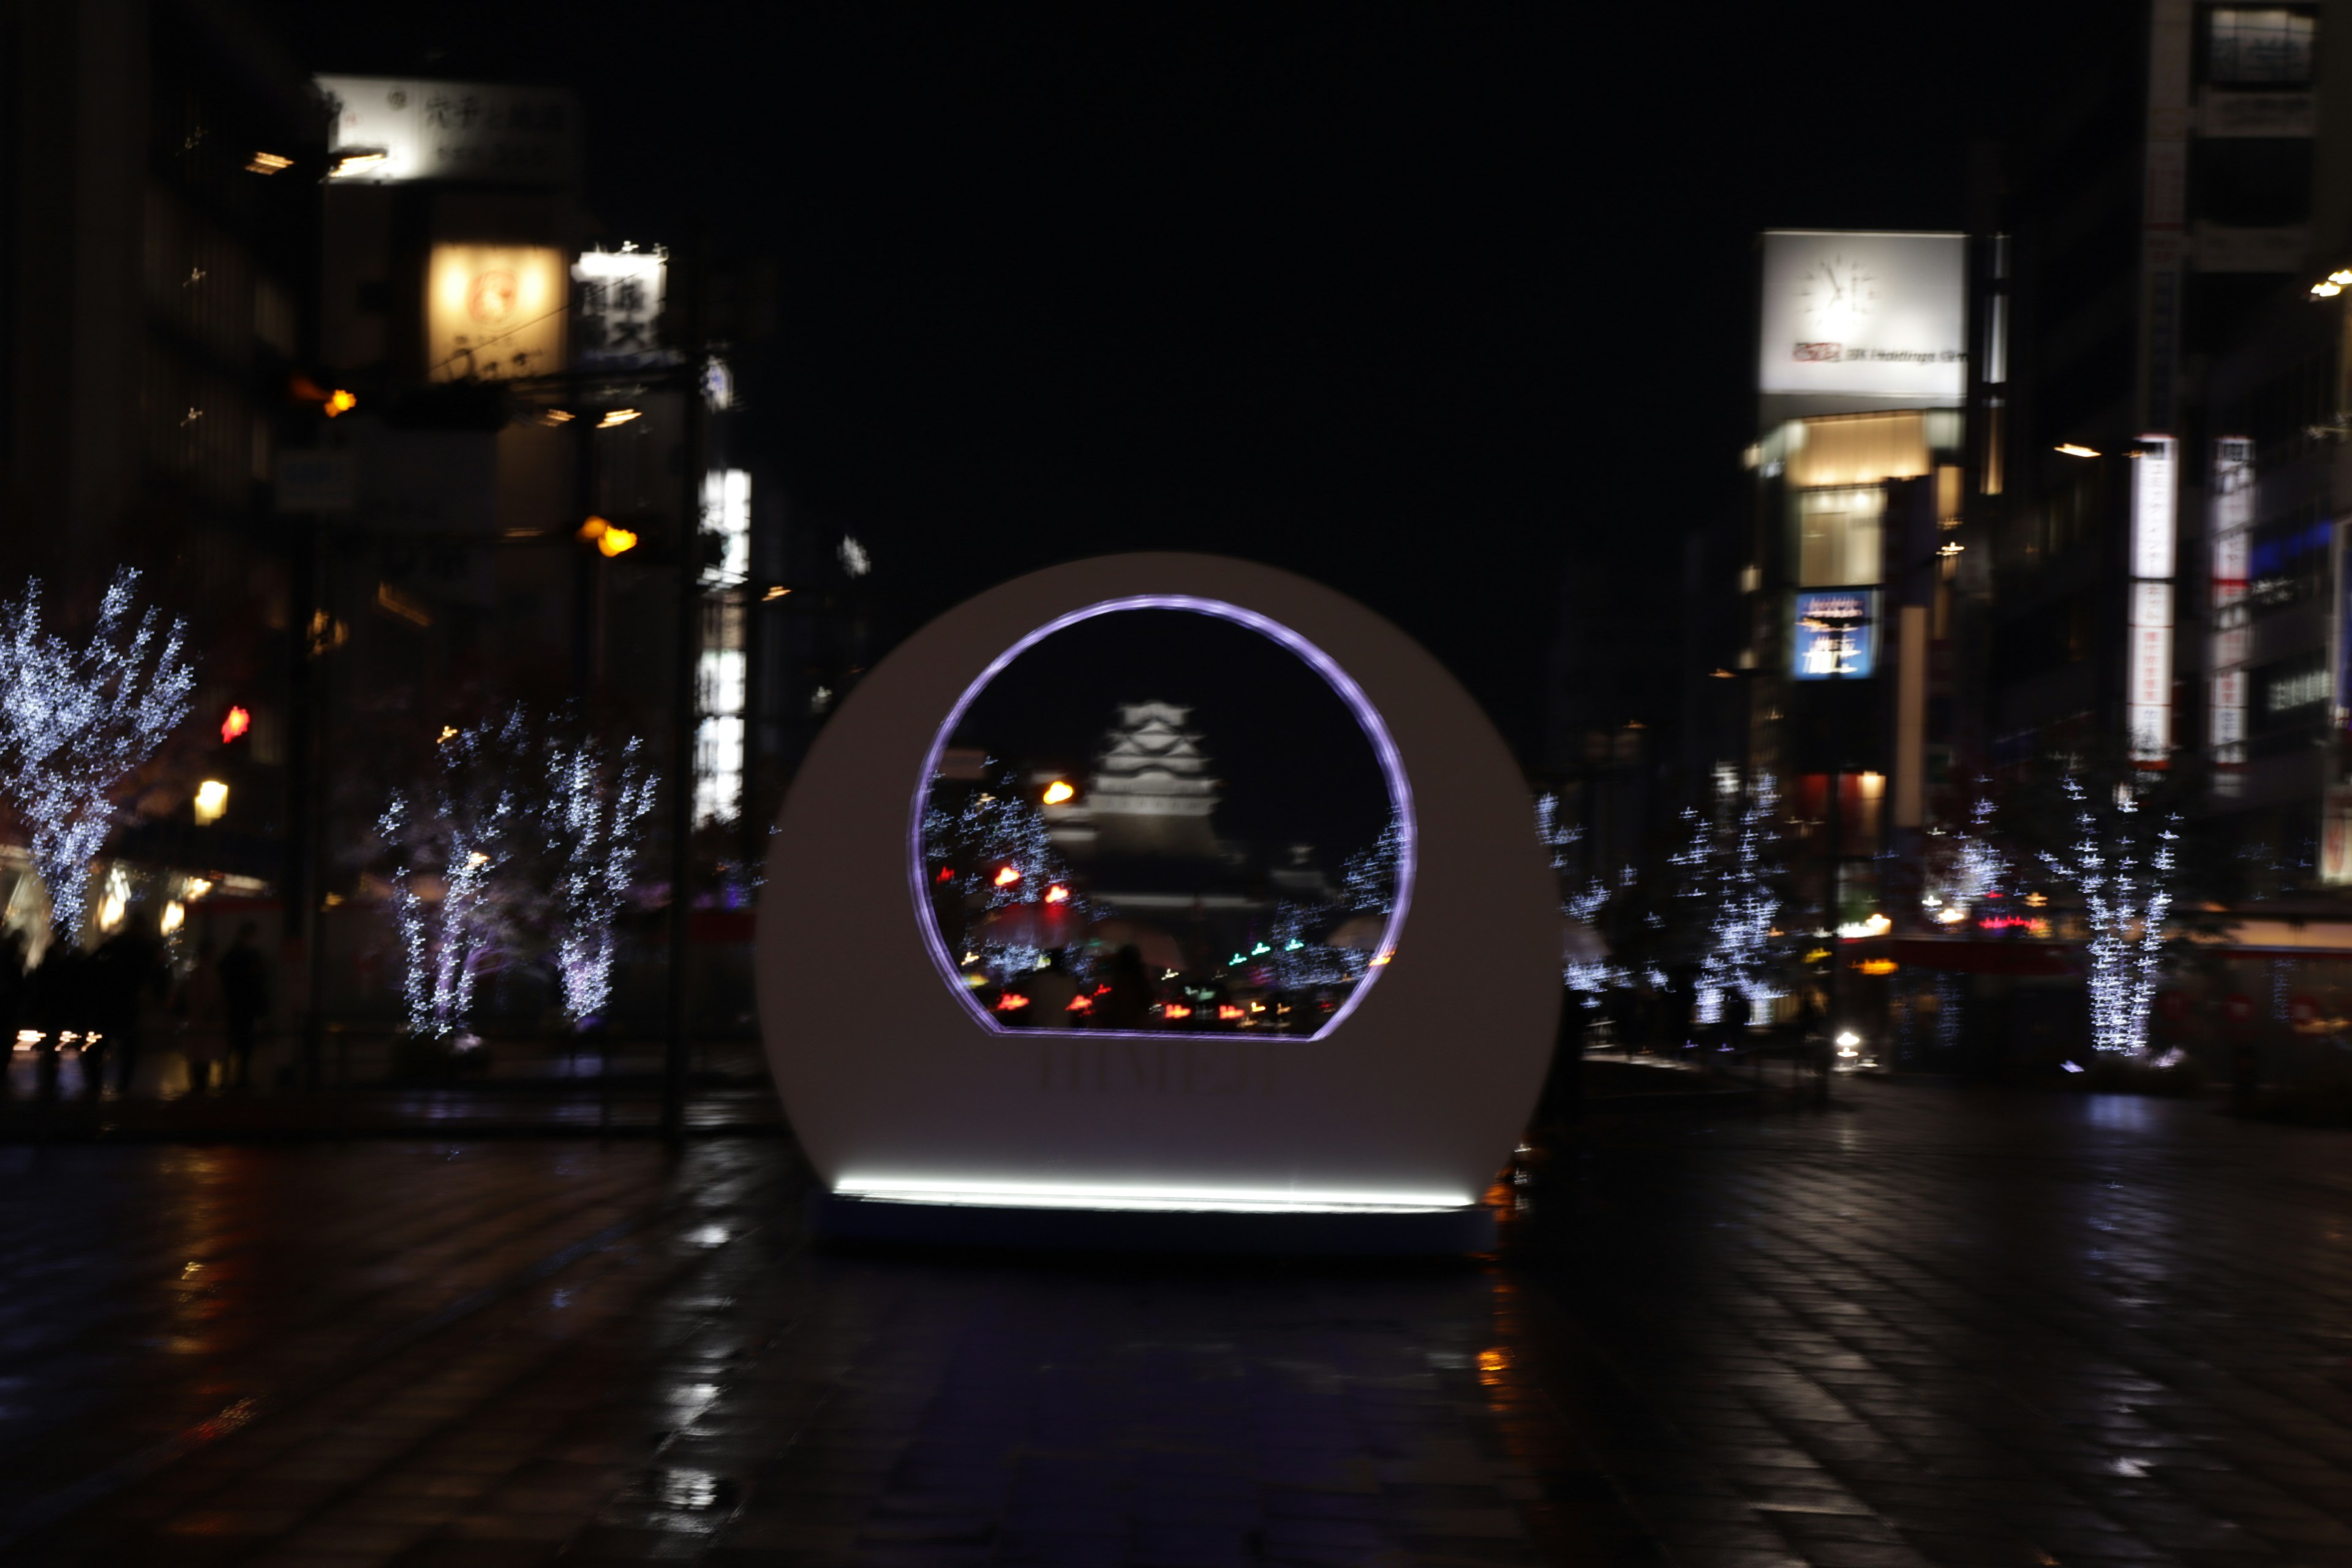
990,854
594,820
1300,962
462,830
1369,877
2122,863
1728,872
76,719
1965,868
1583,905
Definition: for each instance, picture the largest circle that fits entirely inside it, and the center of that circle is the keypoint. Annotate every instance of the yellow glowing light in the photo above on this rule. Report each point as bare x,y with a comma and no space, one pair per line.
175,914
198,887
1817,955
341,402
1952,917
593,529
211,801
1877,966
267,164
614,541
618,416
1057,894
775,593
1059,791
2036,901
2327,291
2341,276
2072,450
359,159
557,416
1383,958
448,733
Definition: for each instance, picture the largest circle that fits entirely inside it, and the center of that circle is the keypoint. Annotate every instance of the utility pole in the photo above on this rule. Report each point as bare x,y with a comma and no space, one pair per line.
689,279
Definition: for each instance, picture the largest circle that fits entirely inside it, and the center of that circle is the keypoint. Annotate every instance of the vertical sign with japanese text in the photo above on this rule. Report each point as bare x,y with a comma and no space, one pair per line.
2232,520
2147,675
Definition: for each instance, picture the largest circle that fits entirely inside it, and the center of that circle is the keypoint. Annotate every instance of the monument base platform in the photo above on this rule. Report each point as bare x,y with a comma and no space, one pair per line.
1423,1233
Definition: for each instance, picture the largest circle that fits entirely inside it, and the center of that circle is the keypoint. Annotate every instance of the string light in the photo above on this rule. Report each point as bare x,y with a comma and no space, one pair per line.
595,818
465,826
76,720
1590,976
2127,890
1732,870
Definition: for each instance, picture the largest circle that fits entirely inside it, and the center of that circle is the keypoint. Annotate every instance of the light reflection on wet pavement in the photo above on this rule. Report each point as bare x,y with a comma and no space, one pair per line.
1929,1326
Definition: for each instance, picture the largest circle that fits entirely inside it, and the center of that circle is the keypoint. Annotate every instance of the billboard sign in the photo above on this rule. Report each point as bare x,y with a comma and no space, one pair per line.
1879,317
1834,632
2147,676
493,313
390,130
616,299
2232,490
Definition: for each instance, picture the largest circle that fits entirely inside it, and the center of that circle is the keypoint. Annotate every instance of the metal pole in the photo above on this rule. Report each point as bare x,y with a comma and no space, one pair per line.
683,696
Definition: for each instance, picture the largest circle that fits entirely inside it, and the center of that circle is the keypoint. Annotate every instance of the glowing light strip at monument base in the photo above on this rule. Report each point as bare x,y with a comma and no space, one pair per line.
1223,1200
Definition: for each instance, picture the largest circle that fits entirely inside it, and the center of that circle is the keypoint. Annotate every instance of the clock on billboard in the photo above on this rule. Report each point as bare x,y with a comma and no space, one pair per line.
1879,319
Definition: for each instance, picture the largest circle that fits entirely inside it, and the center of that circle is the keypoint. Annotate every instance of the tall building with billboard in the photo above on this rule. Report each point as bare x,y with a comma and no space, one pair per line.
161,161
1863,381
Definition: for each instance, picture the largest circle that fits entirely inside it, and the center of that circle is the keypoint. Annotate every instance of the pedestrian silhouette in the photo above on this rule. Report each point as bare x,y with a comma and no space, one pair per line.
245,1001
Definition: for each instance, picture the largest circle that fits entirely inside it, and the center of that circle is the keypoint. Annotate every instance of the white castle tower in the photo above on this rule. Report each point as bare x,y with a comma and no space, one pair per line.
1153,793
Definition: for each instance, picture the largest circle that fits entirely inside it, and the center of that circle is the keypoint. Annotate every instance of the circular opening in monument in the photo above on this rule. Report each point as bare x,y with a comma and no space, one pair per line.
1162,815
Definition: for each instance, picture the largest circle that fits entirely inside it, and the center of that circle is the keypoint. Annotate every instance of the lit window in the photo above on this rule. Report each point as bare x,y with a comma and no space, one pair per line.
1838,537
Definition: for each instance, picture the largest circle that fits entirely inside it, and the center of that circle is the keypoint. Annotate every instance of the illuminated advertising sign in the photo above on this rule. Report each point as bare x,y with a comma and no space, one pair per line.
2147,698
2233,521
616,300
1879,317
2147,676
1834,634
2153,526
391,130
494,312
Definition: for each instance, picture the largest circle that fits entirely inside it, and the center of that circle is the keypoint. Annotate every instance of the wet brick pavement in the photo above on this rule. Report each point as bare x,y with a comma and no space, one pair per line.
1927,1326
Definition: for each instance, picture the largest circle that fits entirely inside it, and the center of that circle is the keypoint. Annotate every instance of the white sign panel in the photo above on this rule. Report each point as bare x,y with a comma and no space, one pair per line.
2232,519
451,130
1881,317
2148,679
616,300
2153,526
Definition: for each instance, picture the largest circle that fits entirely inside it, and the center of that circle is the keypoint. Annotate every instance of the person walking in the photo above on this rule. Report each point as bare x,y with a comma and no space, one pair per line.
201,1010
245,1001
126,973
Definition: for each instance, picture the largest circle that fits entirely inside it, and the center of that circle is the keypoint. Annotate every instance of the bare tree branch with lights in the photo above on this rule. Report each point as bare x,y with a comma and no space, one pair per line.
76,719
461,830
2122,863
595,816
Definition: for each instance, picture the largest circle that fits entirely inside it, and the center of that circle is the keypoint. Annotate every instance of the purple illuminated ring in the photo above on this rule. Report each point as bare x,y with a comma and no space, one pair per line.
1366,717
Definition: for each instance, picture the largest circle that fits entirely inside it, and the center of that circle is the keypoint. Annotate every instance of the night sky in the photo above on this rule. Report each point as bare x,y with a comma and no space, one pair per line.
1430,302
1296,766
